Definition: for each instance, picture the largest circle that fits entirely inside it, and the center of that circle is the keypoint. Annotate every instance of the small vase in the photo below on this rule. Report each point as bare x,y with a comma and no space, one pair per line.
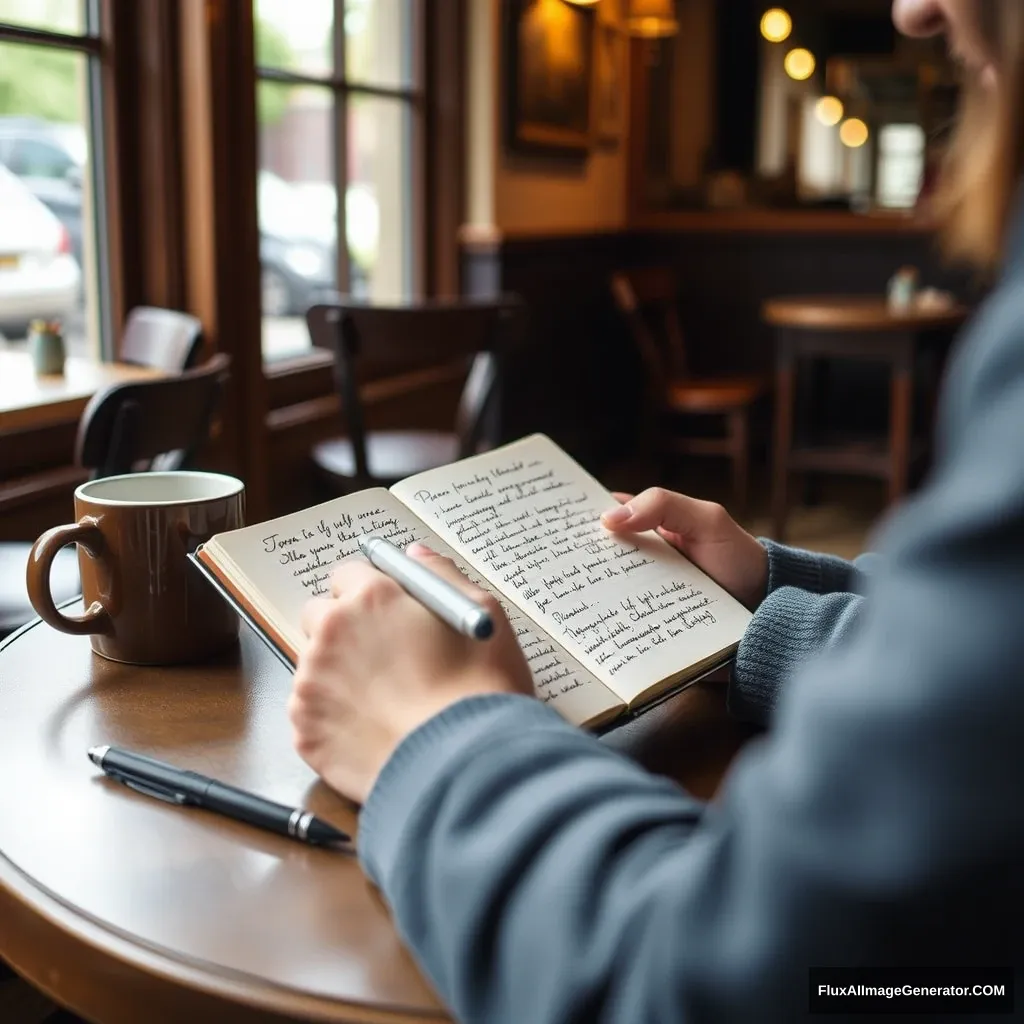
47,348
903,290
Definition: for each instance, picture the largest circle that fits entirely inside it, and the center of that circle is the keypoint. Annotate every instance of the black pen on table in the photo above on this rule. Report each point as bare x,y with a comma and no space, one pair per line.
190,789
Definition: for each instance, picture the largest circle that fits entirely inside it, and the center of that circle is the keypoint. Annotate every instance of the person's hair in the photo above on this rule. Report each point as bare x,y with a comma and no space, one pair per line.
986,159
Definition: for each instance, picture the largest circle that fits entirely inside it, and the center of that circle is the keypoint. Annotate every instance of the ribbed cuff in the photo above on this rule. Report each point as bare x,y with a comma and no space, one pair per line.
777,638
808,570
423,757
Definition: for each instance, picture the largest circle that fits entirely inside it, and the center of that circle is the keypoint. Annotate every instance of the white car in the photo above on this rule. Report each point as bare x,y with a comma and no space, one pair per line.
39,277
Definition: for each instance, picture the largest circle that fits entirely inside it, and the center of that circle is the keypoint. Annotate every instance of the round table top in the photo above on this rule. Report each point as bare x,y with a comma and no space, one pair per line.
125,908
858,313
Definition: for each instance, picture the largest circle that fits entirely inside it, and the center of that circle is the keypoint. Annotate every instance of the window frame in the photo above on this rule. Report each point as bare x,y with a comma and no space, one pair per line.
416,97
94,42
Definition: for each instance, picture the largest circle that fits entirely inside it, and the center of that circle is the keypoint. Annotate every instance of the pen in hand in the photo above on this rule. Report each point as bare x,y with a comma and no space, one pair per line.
444,599
190,789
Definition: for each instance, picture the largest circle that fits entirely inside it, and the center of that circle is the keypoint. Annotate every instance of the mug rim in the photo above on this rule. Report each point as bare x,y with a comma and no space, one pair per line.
81,491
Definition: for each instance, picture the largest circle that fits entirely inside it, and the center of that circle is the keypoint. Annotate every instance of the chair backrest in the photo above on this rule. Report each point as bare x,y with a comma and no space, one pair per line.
161,338
126,427
377,340
649,300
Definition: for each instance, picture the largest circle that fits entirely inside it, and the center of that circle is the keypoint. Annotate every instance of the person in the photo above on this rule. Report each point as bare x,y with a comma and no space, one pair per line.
537,876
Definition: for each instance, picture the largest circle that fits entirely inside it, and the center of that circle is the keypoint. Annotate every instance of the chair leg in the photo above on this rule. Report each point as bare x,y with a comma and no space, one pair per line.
901,415
739,437
783,444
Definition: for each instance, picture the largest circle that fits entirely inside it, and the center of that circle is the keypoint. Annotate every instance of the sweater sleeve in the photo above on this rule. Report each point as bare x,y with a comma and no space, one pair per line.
538,876
790,626
808,570
810,606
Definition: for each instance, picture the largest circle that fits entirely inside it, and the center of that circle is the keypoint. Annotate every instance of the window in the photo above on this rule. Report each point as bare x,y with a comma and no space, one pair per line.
34,158
340,109
51,242
901,157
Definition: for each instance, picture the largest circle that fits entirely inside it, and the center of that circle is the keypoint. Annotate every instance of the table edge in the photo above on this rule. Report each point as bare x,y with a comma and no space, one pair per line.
784,312
18,887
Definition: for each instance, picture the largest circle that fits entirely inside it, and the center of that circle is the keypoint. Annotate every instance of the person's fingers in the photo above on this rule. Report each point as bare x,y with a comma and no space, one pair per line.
446,569
313,613
622,497
657,507
351,575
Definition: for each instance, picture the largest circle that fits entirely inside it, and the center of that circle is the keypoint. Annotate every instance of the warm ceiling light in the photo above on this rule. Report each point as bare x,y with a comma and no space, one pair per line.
582,3
829,110
652,19
776,24
800,64
853,133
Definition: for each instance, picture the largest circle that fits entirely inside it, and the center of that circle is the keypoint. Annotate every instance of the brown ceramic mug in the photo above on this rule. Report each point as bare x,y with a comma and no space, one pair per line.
145,603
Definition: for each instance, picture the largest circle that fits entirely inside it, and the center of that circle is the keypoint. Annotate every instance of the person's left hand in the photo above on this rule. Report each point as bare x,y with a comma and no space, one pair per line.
378,665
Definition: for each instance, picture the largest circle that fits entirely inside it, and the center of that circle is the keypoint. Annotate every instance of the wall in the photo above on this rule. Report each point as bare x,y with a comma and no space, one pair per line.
693,106
510,193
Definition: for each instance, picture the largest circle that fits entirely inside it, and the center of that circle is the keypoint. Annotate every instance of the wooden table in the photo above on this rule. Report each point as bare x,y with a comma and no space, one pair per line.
126,909
29,401
860,328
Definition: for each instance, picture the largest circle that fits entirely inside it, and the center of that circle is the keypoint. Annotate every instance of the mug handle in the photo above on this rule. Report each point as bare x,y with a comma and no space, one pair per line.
96,619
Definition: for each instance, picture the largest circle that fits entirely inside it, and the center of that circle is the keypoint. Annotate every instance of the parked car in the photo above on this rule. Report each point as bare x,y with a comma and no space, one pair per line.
39,275
297,250
297,223
49,159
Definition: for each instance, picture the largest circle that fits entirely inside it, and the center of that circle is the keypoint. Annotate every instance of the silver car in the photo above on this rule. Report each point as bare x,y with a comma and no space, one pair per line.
39,276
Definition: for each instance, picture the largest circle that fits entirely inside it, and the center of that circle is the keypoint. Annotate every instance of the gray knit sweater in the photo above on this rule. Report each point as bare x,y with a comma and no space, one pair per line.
539,877
811,603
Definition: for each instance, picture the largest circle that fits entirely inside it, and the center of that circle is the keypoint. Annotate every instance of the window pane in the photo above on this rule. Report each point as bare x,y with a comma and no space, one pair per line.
48,265
297,210
54,15
901,152
378,205
378,42
295,35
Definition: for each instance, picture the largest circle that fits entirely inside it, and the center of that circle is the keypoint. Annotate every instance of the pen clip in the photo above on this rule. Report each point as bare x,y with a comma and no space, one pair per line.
169,796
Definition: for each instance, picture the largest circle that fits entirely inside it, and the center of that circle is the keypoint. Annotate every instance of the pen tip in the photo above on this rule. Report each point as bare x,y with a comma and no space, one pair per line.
321,833
482,626
96,754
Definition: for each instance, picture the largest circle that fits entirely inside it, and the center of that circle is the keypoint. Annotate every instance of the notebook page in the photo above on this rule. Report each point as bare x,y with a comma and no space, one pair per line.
527,516
281,564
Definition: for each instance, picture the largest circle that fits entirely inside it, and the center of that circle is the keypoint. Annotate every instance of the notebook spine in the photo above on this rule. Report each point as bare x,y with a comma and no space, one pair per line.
241,611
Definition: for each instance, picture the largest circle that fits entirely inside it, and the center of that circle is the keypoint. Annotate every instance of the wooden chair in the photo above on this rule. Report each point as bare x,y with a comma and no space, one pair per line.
648,299
161,338
123,429
128,427
391,340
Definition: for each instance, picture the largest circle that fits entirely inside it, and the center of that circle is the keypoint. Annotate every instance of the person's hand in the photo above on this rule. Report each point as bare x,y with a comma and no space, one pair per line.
378,664
701,530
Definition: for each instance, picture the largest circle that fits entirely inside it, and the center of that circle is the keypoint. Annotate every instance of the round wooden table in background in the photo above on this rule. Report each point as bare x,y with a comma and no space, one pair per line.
859,313
127,909
811,329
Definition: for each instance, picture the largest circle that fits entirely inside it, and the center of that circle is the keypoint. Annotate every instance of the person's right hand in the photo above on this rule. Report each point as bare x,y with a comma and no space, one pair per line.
704,532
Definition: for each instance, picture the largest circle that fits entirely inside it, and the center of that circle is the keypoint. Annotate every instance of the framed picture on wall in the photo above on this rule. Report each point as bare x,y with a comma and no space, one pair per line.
610,86
549,50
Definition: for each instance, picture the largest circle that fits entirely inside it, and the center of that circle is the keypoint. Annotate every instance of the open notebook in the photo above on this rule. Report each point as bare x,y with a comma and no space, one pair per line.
609,623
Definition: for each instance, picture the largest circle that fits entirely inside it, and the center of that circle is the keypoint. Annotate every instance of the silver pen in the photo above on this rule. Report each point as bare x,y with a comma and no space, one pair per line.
446,601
